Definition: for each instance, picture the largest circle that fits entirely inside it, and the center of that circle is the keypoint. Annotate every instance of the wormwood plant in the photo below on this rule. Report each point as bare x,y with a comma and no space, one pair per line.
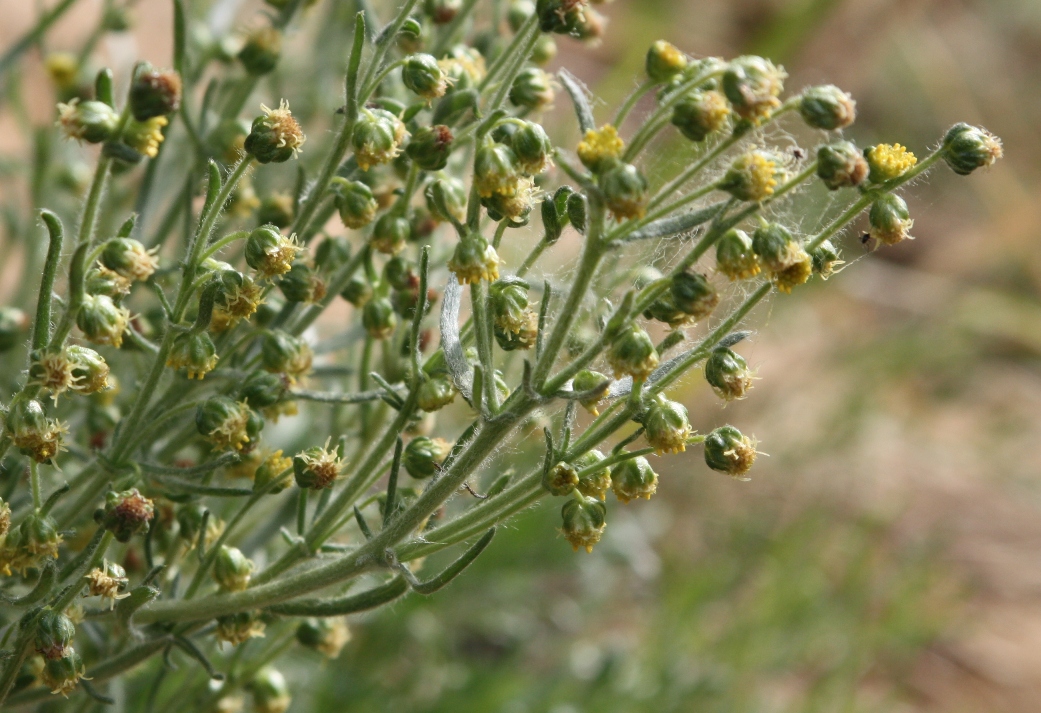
150,503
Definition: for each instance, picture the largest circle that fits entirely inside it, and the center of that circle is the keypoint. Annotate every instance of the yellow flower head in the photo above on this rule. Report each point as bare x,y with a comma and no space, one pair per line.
889,161
62,68
600,147
754,176
287,131
795,274
146,136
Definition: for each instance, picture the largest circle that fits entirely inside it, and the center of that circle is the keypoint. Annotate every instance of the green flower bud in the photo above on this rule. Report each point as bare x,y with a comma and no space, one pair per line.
390,233
841,165
302,284
532,148
515,204
664,309
189,520
358,292
666,426
889,219
625,190
509,304
423,456
826,259
524,337
27,546
700,113
754,176
90,121
594,484
584,522
412,36
632,479
442,12
89,370
282,353
421,75
228,424
270,253
727,373
887,162
775,246
474,260
154,92
561,479
378,318
14,326
544,51
327,635
54,634
827,107
693,294
32,432
239,628
261,51
237,297
752,84
276,209
586,381
332,253
632,353
533,89
562,17
272,467
101,321
317,468
728,451
735,257
588,25
519,12
194,352
126,513
355,202
377,138
270,692
496,170
107,582
232,569
102,281
274,137
61,675
129,258
446,199
435,393
664,61
400,274
430,147
966,148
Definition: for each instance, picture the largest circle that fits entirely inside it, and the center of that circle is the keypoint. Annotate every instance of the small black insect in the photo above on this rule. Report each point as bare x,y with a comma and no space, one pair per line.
798,153
865,238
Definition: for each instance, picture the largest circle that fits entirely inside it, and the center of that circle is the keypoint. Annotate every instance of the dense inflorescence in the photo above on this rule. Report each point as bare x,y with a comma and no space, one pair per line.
243,357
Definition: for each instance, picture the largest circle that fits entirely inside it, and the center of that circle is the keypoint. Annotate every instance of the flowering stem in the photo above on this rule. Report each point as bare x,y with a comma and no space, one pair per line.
631,101
653,123
223,243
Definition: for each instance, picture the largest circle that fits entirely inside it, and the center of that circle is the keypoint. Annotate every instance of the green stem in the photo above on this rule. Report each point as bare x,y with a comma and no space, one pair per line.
42,325
34,483
631,101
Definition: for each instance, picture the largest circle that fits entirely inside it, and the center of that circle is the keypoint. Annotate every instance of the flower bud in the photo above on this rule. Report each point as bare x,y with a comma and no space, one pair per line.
189,520
446,199
63,68
693,294
239,628
588,25
632,353
600,148
524,337
261,389
727,373
129,258
378,318
237,296
154,92
274,137
544,51
377,138
54,634
795,274
666,426
496,170
586,381
664,61
228,424
442,12
108,582
888,161
76,368
194,352
752,84
826,259
533,89
269,252
625,190
515,204
14,325
270,692
728,451
889,219
532,148
261,51
632,479
355,202
735,257
276,209
90,121
664,309
584,522
423,456
421,75
227,139
841,165
27,546
435,393
775,247
700,113
827,107
596,483
102,281
272,467
358,291
126,513
327,635
32,432
966,148
561,479
145,137
302,284
754,176
509,304
564,17
390,234
232,569
282,353
430,147
317,468
61,675
474,260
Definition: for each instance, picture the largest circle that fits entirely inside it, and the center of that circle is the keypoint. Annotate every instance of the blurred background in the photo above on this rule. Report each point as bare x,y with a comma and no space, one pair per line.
886,556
